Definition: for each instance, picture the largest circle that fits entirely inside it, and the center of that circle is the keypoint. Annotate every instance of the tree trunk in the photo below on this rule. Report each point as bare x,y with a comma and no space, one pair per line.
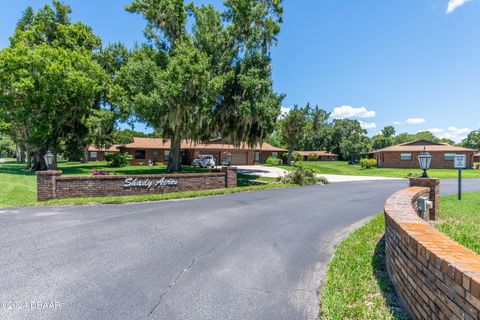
290,155
174,159
18,151
28,158
85,155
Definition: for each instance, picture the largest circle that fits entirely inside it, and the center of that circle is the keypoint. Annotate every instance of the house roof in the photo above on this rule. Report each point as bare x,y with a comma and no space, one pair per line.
318,153
160,143
113,148
419,145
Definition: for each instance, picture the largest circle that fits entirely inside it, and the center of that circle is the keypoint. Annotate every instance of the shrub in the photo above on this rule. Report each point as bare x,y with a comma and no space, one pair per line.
296,156
271,161
118,159
367,163
303,176
312,157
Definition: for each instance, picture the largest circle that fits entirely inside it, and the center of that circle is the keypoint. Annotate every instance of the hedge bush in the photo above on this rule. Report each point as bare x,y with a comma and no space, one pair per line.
367,163
118,159
312,157
271,161
303,176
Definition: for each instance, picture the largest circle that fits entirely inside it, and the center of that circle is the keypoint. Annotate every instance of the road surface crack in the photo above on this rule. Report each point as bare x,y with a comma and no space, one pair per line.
172,238
175,279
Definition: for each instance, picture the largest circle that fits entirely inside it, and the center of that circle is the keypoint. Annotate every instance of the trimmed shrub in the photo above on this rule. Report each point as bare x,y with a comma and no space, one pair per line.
367,163
303,176
271,161
312,157
118,159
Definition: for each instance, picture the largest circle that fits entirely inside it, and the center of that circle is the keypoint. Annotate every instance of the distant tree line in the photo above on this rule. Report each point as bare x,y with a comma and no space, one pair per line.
307,128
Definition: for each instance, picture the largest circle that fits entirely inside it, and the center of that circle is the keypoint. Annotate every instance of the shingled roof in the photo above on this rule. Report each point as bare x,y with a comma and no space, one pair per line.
113,148
419,145
218,144
318,153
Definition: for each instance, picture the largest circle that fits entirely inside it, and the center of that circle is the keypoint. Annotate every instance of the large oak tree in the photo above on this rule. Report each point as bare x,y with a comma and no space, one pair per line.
206,79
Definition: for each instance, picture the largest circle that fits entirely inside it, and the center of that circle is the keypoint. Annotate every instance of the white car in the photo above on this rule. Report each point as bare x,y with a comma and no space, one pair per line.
204,161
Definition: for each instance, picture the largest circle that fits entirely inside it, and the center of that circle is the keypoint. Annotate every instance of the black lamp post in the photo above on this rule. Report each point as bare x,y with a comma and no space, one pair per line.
424,159
49,159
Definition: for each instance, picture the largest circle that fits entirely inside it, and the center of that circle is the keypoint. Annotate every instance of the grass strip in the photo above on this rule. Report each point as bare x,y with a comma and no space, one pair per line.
357,285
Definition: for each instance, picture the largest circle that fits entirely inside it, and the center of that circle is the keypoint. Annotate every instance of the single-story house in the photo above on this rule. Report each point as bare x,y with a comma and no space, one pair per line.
98,154
405,155
157,150
321,155
476,157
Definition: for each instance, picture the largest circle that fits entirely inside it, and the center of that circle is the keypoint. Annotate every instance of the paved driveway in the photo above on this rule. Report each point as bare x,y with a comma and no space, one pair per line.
274,172
258,255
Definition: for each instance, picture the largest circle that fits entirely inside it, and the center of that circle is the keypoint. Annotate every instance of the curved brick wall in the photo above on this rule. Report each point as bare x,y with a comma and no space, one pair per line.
435,277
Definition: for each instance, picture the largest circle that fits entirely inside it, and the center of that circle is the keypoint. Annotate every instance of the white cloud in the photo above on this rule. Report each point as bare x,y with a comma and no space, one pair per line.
284,110
343,112
368,125
454,4
415,121
397,123
454,133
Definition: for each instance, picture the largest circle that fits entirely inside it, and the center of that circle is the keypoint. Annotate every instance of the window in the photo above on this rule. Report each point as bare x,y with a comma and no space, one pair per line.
166,155
155,153
139,154
449,156
275,155
93,154
256,156
406,156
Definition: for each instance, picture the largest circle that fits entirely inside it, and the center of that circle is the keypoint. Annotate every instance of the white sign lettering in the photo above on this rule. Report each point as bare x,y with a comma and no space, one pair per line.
460,161
148,183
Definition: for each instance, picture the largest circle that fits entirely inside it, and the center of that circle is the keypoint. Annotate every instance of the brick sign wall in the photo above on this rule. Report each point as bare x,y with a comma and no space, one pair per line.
435,277
52,185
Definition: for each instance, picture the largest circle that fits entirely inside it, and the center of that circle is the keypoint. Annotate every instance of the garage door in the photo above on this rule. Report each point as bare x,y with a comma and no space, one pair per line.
239,157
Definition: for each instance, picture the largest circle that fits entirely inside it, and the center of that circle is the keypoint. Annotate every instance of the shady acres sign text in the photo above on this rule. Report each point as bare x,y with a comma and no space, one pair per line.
148,183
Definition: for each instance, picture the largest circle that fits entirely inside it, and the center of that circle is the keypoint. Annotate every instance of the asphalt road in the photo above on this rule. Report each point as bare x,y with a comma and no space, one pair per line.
259,255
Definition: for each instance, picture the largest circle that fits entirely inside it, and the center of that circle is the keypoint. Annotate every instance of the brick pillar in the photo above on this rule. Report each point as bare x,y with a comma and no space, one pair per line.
230,176
434,185
46,184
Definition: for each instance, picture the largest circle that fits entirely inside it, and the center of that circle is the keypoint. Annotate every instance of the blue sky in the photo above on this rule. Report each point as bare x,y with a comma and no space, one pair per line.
411,63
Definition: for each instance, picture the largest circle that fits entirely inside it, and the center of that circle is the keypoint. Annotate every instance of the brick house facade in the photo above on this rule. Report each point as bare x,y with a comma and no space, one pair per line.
157,150
98,154
321,155
405,155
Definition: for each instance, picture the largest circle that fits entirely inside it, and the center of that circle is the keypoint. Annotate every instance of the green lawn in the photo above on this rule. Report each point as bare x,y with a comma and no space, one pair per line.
18,186
343,168
357,285
460,220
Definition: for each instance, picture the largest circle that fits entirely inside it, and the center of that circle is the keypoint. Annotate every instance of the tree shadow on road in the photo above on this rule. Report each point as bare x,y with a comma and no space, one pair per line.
385,284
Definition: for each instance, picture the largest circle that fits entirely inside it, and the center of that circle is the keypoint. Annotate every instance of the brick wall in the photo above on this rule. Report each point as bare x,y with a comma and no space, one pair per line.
51,185
435,277
392,160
